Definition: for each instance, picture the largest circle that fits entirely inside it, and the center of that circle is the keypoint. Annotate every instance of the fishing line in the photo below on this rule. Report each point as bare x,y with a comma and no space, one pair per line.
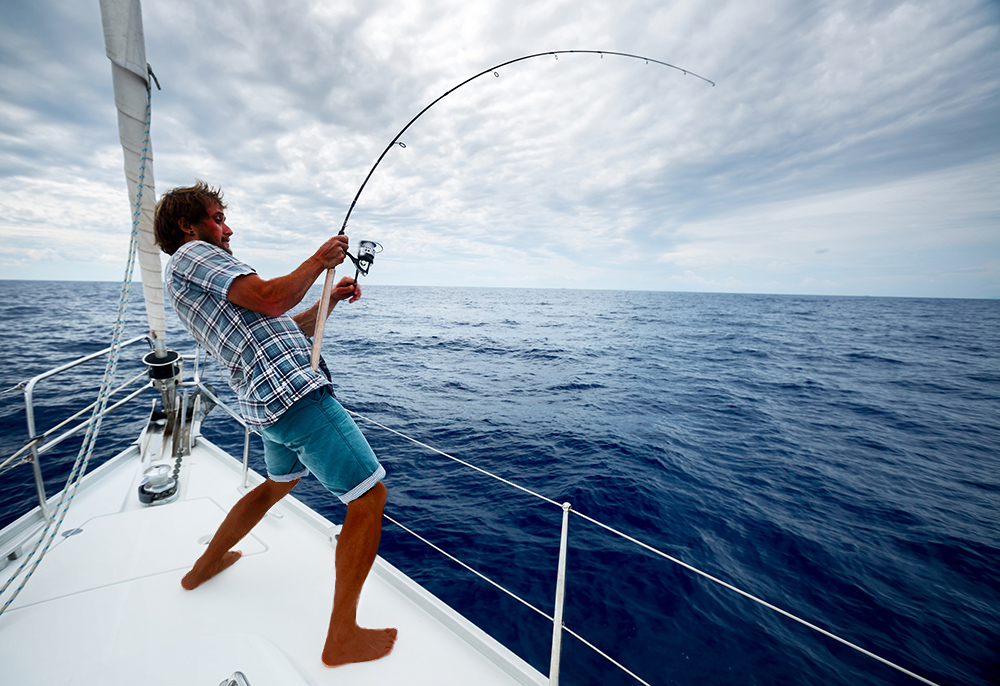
495,71
366,250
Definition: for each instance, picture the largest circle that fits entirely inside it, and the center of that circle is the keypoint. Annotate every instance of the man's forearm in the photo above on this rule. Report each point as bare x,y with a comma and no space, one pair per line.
276,296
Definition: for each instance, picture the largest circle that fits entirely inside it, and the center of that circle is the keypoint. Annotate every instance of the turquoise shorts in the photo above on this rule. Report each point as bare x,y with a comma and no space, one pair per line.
317,435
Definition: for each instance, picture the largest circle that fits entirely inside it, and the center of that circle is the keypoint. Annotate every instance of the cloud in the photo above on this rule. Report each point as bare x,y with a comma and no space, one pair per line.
834,116
934,223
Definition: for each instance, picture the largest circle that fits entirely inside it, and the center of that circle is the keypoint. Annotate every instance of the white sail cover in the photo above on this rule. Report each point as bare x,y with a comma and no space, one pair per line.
126,48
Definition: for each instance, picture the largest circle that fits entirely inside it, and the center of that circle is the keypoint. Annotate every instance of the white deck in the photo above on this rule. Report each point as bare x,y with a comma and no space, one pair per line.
106,606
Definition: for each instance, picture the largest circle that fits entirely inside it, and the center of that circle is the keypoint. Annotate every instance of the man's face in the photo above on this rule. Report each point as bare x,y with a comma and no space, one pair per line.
213,228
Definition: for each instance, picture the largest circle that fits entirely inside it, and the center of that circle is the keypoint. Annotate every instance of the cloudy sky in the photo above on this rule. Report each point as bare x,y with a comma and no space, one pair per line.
848,147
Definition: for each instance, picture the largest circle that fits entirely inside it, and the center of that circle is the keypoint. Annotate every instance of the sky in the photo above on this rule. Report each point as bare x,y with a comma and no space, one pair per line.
848,147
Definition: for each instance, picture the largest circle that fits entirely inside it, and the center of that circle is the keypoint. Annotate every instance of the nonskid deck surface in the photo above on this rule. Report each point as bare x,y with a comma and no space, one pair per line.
106,606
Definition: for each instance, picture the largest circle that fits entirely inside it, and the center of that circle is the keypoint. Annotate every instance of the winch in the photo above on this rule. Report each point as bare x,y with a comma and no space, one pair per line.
158,486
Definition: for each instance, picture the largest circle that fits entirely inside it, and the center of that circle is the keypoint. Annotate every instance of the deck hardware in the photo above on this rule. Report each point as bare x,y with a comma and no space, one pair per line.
164,368
246,456
557,614
158,486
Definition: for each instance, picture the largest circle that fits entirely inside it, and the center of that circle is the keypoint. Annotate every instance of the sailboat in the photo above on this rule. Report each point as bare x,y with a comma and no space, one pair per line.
103,603
90,577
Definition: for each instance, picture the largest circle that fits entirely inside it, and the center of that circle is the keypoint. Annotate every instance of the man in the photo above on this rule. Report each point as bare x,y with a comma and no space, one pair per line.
241,320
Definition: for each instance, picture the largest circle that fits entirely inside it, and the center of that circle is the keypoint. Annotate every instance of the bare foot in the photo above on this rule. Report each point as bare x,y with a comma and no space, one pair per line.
198,575
360,645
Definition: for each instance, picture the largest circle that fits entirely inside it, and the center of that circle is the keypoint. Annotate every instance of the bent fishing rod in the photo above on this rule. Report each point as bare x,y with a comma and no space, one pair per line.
367,249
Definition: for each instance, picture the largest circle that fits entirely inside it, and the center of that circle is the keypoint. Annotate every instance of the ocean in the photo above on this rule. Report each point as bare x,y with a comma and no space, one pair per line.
837,457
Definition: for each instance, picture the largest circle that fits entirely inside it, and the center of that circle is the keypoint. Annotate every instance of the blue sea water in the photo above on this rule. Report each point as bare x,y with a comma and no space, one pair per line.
837,457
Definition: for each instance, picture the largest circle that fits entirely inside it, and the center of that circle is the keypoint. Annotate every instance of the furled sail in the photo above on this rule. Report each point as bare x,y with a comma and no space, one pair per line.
126,48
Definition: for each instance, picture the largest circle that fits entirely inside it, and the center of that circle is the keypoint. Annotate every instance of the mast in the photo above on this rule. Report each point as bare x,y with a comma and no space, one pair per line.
126,48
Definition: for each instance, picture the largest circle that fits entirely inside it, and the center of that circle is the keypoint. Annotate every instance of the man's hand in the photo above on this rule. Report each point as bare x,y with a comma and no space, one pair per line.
348,289
333,252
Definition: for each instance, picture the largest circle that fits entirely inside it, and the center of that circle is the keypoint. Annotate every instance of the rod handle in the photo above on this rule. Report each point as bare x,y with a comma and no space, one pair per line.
324,309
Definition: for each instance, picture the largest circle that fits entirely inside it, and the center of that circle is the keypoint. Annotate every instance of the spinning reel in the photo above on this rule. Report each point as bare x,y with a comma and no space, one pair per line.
367,250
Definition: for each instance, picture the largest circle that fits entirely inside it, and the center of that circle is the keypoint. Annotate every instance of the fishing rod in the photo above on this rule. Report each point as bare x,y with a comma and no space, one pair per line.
366,249
395,141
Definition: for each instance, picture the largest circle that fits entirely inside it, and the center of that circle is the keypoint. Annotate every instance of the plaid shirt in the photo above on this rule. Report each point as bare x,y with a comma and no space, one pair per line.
267,357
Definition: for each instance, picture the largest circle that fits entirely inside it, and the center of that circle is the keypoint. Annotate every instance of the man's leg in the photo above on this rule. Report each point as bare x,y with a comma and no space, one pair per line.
244,516
356,549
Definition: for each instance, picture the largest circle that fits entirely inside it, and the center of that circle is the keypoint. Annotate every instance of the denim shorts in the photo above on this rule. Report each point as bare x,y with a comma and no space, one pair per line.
317,435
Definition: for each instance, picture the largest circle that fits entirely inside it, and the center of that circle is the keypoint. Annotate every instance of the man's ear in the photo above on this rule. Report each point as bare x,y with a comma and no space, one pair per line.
185,226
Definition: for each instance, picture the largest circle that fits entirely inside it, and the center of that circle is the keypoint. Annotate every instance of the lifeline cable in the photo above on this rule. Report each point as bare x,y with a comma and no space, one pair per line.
632,540
94,427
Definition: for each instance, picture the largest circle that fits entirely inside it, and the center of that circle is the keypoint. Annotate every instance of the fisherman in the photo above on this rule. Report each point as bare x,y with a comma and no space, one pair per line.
242,320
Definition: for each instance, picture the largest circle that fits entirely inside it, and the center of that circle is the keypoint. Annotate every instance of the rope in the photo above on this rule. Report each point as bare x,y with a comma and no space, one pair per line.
93,429
639,543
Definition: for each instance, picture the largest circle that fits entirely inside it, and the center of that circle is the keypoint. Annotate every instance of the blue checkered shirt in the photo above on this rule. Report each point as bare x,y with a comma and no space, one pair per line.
267,357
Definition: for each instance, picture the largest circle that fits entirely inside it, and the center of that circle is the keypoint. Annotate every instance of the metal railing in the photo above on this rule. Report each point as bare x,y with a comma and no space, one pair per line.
39,444
210,394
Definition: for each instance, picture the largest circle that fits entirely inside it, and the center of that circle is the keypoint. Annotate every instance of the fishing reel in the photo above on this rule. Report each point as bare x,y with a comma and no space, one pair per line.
367,250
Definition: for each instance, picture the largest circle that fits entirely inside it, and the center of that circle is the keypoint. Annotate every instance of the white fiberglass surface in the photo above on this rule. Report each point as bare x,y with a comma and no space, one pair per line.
106,605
